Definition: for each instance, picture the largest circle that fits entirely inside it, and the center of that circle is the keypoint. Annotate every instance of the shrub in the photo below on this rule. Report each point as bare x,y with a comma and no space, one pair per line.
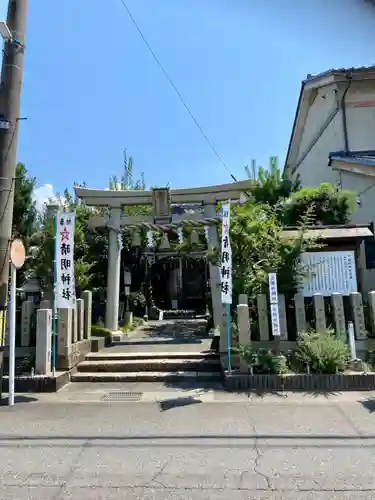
263,361
99,331
322,352
327,205
135,324
136,300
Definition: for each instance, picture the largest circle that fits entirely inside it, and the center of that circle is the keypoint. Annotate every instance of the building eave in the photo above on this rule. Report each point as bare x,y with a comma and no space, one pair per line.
354,161
329,233
311,83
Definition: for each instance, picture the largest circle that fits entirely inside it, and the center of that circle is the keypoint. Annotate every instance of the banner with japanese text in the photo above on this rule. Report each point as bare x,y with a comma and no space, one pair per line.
65,280
226,257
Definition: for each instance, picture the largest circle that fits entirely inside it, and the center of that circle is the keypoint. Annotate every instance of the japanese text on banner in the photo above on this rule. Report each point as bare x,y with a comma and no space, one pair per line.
65,281
226,257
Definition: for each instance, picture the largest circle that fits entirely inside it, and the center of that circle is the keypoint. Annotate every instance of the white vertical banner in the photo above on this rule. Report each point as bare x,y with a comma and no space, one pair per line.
274,304
226,257
65,280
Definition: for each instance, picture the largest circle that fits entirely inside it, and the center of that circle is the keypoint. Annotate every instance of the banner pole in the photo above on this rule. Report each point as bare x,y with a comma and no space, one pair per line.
228,338
54,302
12,334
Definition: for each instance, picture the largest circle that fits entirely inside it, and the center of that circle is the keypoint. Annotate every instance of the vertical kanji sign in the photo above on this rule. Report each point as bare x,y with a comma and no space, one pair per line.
226,257
274,303
65,281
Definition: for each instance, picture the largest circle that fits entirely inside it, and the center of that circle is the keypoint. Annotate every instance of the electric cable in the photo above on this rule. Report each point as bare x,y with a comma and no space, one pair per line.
175,88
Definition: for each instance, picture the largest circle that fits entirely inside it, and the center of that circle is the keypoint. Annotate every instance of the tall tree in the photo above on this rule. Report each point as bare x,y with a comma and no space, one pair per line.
270,186
91,244
24,213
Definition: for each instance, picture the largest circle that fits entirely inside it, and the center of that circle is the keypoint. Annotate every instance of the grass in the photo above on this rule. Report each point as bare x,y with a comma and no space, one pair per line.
137,322
99,329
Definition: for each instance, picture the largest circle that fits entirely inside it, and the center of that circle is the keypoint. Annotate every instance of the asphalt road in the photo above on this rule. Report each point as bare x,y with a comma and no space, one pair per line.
277,449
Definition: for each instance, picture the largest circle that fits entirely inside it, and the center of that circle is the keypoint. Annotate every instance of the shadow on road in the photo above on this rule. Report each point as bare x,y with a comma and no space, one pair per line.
369,404
18,399
169,404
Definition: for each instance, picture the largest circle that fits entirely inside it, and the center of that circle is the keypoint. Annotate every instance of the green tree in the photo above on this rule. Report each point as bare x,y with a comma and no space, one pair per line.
325,203
259,246
42,245
24,213
270,186
126,180
91,244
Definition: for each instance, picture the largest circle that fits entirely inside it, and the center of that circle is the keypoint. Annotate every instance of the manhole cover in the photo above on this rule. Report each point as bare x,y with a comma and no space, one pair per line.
122,396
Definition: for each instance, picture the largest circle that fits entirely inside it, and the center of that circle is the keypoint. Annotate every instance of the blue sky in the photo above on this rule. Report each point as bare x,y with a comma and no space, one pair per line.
91,88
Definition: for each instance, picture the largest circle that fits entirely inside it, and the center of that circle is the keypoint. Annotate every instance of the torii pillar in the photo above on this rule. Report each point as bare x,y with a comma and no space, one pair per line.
114,271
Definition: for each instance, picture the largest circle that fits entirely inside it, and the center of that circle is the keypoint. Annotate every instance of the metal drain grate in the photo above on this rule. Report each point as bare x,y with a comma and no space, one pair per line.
122,396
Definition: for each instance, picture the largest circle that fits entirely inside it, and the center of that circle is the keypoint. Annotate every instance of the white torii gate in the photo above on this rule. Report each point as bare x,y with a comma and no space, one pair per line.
161,200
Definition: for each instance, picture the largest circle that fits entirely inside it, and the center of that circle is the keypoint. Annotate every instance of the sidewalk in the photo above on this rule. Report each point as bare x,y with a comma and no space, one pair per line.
157,392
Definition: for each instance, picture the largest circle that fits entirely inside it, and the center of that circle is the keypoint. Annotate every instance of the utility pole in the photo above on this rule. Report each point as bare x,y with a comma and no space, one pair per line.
10,99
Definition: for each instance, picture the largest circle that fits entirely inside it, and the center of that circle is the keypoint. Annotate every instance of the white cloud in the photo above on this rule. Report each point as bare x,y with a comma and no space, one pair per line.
42,194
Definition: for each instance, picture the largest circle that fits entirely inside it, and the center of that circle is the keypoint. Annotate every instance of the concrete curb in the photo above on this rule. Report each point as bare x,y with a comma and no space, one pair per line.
300,382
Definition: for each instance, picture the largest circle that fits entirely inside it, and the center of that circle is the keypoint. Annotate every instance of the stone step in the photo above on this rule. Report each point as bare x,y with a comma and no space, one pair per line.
150,365
122,356
176,376
123,340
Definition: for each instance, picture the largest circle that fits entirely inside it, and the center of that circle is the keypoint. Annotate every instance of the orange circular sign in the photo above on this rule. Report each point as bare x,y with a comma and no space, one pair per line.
17,253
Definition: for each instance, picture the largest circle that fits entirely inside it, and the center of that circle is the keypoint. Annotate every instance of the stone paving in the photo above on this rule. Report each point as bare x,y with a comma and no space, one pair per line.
184,441
183,335
301,448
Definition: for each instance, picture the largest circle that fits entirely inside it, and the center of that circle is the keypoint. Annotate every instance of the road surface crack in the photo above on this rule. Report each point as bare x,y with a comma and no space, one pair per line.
258,457
158,474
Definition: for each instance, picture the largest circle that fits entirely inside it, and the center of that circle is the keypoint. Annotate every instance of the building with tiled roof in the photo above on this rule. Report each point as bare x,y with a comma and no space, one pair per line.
333,137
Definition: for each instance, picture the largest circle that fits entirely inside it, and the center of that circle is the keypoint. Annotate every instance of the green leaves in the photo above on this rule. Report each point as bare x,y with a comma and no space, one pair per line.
326,205
322,352
258,246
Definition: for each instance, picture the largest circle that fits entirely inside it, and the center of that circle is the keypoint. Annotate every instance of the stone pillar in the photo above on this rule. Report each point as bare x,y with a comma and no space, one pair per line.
45,304
264,332
358,316
299,306
26,320
371,301
4,325
319,312
243,299
87,300
244,335
282,318
339,316
114,271
80,319
243,322
43,341
64,331
215,281
74,325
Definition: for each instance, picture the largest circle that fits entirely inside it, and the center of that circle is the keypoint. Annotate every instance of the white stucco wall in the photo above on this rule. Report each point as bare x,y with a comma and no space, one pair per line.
360,125
313,170
365,187
361,136
361,120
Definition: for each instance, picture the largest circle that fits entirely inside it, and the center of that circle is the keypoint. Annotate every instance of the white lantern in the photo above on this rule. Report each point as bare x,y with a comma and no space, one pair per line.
150,239
180,235
206,233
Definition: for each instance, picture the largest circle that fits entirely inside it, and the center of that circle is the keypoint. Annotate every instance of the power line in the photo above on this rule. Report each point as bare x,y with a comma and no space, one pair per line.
184,103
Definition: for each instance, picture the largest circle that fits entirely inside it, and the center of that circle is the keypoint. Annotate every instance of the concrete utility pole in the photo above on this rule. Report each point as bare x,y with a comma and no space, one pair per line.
10,97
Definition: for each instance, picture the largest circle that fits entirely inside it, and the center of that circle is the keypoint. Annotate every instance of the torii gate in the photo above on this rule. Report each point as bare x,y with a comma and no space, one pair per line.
161,200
